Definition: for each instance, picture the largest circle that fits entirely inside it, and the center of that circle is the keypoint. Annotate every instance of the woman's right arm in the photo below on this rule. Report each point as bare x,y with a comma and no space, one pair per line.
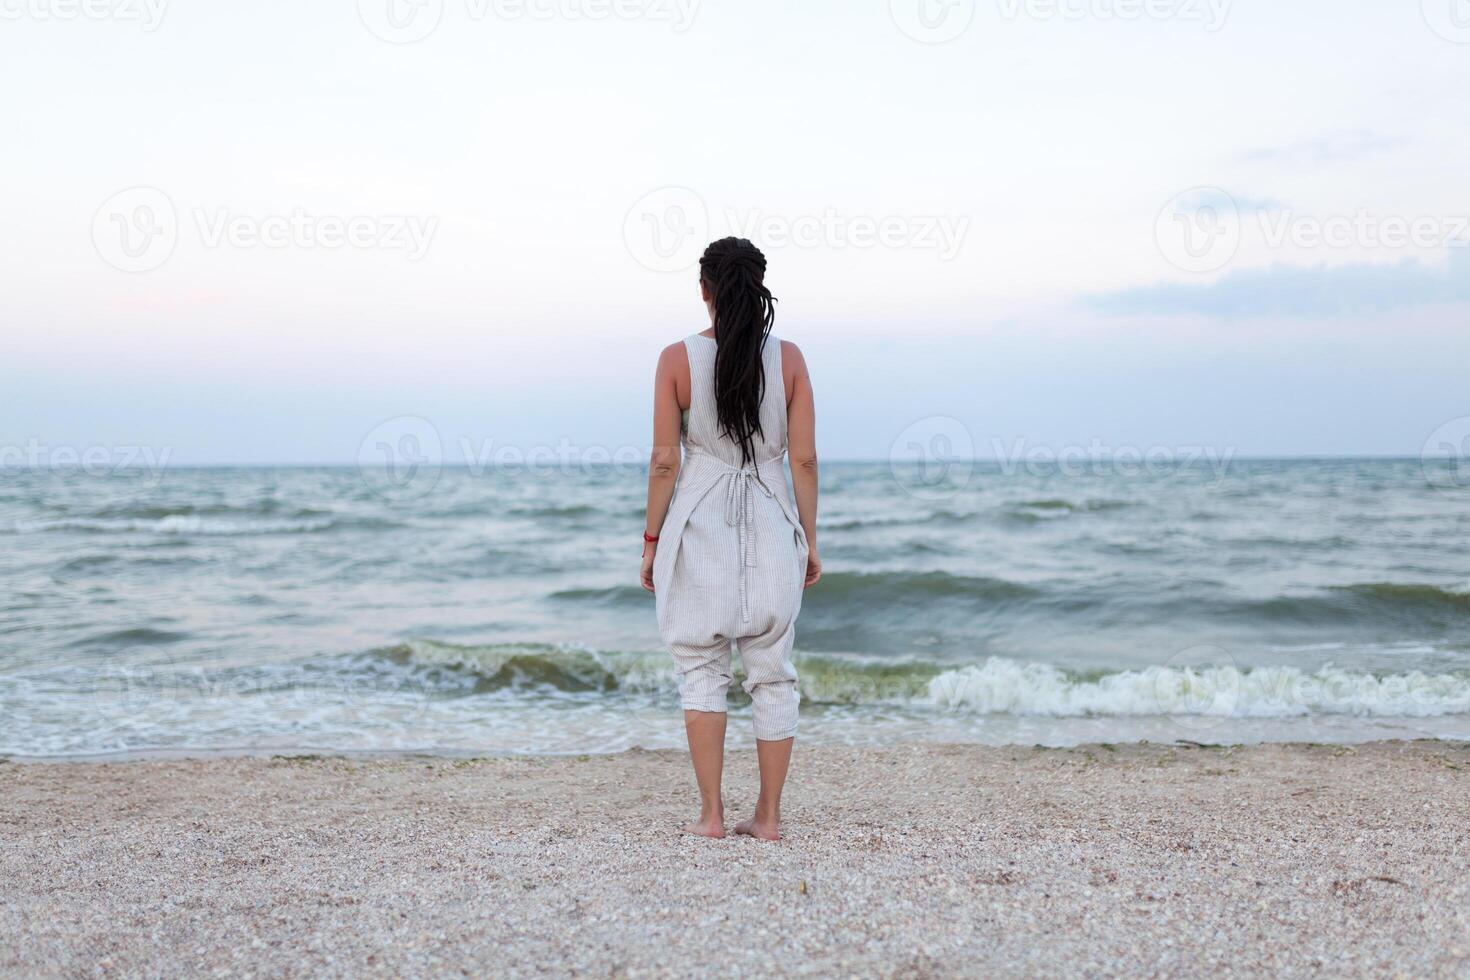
801,436
663,466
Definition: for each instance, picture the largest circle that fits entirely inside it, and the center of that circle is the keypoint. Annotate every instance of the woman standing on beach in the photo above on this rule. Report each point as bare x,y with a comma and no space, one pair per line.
725,553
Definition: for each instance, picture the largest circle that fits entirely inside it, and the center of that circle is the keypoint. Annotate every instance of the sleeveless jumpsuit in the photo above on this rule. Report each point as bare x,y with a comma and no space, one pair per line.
732,555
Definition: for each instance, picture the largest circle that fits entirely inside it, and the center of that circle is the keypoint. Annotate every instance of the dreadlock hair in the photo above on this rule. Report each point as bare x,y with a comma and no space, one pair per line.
733,272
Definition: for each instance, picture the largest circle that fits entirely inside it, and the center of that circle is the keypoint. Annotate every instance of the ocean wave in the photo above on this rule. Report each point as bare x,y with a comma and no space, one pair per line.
99,563
1091,505
903,586
552,511
1413,595
868,589
190,524
843,589
616,595
1002,686
575,669
1051,509
561,668
865,523
1275,543
1381,603
156,512
995,686
137,636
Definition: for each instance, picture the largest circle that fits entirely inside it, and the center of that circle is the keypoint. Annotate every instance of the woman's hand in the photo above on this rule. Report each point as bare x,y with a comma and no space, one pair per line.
813,569
645,575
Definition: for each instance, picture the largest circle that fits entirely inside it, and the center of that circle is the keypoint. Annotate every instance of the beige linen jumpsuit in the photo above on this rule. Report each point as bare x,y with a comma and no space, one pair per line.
732,555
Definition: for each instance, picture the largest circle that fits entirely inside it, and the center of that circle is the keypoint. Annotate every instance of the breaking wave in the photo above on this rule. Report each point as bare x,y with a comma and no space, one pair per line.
996,685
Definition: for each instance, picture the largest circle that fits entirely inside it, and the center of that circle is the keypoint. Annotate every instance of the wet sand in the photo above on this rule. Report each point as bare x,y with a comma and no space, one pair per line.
913,861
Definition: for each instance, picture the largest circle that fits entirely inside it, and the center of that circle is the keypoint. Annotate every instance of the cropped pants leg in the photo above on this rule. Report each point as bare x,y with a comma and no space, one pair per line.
770,678
704,674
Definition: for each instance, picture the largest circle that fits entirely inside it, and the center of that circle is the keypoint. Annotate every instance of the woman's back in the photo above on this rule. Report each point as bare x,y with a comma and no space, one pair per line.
702,430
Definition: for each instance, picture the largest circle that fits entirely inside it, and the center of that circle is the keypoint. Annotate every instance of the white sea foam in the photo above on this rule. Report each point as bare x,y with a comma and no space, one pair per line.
182,524
1001,686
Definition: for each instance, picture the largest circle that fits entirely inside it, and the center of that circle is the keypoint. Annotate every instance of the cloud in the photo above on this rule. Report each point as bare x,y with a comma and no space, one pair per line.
1224,201
1300,291
1327,149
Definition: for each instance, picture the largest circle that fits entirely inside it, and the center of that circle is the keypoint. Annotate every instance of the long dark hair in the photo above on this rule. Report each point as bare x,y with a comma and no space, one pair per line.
733,271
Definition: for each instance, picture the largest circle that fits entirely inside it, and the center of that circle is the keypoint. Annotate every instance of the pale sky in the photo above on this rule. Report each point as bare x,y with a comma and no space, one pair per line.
990,229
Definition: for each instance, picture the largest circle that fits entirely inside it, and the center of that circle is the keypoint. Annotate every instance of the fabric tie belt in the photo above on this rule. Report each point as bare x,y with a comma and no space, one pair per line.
740,514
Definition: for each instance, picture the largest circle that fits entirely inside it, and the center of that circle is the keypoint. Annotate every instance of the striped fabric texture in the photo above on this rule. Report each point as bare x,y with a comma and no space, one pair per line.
732,556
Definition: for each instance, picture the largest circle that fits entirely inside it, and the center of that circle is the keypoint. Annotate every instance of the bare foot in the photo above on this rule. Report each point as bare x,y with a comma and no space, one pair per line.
707,827
758,829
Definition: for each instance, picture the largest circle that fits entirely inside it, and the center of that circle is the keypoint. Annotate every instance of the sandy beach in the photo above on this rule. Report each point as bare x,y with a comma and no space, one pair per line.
911,861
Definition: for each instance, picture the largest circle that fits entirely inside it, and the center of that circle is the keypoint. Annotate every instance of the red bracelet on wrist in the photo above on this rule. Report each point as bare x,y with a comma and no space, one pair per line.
649,538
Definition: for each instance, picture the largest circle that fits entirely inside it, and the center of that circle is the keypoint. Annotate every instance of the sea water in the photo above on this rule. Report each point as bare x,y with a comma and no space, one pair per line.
498,610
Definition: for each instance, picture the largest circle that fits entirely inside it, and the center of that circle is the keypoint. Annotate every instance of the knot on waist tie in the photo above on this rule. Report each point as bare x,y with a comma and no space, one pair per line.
740,514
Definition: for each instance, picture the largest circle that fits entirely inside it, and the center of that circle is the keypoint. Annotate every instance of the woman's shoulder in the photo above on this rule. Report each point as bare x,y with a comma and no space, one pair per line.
793,363
677,351
673,362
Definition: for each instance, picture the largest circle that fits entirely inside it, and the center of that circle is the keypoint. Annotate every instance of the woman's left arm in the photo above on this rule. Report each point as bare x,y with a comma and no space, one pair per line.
663,467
